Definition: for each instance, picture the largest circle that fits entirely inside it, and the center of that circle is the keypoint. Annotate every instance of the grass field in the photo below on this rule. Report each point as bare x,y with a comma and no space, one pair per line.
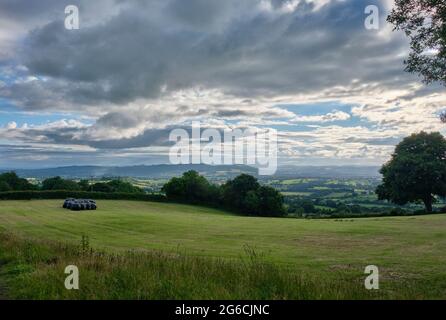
409,251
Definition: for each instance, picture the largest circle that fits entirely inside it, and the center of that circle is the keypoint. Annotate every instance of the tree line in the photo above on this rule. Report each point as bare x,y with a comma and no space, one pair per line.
9,181
243,194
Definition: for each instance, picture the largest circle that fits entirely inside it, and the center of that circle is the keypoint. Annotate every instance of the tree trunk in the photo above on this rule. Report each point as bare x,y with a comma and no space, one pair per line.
428,203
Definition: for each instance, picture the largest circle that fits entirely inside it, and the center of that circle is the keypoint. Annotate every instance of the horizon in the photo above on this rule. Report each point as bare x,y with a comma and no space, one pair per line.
170,164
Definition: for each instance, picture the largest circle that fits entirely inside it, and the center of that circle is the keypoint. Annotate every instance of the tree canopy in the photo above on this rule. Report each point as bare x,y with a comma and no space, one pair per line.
416,171
9,181
235,191
190,188
243,194
424,22
57,183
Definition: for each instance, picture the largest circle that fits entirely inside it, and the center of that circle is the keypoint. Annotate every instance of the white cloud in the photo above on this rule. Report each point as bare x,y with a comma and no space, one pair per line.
329,117
11,125
137,69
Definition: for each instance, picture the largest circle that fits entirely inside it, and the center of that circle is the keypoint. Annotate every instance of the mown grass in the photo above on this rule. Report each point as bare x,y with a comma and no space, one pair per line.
173,245
35,270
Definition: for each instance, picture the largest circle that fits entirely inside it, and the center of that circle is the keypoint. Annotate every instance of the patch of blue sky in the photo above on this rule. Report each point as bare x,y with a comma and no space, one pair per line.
322,108
10,75
10,113
314,109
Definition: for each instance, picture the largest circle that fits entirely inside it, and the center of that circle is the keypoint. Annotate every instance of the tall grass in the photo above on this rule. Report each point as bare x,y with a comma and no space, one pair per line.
34,269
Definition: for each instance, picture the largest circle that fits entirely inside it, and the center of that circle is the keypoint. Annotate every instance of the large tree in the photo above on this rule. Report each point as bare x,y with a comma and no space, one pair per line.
416,171
424,22
246,195
235,192
191,187
57,183
10,181
242,194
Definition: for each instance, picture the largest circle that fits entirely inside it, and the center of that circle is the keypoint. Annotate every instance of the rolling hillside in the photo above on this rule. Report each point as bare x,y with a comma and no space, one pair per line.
408,250
121,225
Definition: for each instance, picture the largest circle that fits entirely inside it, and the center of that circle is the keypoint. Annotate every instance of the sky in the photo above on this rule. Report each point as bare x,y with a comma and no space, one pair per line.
110,92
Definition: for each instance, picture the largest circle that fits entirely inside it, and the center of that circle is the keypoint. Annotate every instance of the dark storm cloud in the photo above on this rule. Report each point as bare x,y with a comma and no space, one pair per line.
118,120
79,135
146,50
29,10
29,156
150,137
231,113
200,14
76,134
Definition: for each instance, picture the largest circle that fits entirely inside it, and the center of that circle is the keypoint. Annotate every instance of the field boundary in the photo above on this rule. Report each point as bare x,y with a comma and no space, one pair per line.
63,194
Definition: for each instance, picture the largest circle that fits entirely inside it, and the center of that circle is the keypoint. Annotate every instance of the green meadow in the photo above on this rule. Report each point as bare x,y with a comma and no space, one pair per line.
158,250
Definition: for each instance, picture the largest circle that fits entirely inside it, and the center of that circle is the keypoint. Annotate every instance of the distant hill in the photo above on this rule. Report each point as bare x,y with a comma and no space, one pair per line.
140,171
216,172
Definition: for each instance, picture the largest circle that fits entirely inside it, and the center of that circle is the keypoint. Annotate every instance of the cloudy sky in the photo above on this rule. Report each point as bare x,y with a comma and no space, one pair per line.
110,92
